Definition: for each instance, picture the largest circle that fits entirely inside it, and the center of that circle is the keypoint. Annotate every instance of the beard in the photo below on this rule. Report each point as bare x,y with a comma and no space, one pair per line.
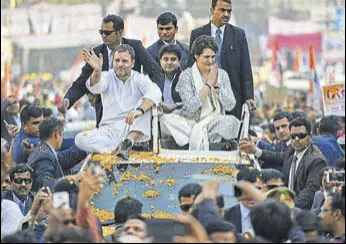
123,74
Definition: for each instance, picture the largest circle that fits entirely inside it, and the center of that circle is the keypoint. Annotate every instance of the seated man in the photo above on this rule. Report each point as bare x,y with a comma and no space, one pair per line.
127,97
170,56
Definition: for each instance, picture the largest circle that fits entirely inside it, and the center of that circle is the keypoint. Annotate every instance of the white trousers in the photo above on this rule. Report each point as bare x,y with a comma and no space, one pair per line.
107,138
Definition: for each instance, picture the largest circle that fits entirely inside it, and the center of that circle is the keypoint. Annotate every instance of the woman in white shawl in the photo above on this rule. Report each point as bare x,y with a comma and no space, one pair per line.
206,93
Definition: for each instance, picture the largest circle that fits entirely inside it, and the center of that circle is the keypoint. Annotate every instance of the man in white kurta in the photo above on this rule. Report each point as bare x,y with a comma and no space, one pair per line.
127,97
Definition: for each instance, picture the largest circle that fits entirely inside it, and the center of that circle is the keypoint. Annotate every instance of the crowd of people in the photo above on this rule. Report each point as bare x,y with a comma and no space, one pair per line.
298,196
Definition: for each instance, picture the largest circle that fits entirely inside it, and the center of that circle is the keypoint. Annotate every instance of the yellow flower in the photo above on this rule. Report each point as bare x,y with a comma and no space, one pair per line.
151,194
171,182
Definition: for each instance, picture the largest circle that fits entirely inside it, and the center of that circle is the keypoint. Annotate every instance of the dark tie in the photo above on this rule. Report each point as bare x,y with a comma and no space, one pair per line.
283,146
293,173
218,41
112,55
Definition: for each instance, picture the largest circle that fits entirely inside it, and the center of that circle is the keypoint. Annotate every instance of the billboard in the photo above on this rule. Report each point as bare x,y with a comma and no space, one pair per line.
334,99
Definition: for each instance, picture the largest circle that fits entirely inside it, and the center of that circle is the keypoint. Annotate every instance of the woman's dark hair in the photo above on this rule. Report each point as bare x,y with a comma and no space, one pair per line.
202,43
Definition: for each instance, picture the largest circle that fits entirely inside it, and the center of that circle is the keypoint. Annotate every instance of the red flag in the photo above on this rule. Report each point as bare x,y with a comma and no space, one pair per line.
297,60
312,66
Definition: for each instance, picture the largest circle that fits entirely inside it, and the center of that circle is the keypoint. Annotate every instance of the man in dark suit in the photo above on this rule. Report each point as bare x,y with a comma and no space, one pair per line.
302,162
233,55
239,214
47,164
112,29
167,28
326,141
281,123
21,184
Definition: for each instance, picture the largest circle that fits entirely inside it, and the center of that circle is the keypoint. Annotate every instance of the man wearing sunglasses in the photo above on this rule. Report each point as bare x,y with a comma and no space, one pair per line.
111,31
21,184
301,162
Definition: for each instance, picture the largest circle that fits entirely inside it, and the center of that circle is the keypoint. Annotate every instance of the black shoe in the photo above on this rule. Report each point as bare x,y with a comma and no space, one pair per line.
124,149
122,167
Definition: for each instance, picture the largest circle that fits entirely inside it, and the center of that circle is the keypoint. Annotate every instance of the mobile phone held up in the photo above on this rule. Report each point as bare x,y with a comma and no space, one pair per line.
61,199
335,176
26,144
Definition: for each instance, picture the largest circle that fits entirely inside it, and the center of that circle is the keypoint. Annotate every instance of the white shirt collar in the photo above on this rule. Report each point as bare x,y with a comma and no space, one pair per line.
50,146
214,28
110,50
245,210
301,154
166,43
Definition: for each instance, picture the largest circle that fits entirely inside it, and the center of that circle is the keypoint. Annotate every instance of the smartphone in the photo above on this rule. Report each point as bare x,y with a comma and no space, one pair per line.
96,167
60,198
336,176
6,124
26,144
49,183
157,230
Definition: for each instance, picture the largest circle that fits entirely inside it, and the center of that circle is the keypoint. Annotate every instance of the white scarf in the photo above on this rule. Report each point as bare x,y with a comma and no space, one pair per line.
199,136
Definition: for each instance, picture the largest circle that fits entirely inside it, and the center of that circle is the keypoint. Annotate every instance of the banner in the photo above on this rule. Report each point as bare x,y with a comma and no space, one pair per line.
334,99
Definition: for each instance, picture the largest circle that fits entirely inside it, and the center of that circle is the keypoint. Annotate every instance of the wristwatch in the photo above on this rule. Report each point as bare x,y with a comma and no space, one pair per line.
141,109
179,105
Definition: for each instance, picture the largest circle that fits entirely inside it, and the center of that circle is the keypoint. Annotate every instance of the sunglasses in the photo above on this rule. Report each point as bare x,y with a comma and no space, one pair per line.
106,32
173,59
20,181
36,122
271,187
7,181
185,207
299,135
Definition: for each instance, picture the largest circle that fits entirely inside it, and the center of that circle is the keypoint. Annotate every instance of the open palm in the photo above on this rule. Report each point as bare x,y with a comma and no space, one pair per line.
91,58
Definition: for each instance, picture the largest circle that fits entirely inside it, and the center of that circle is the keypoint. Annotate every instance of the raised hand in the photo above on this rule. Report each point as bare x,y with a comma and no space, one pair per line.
91,58
212,77
63,105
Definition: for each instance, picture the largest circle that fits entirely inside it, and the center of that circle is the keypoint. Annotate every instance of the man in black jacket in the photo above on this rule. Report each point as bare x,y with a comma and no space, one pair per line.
112,29
233,55
170,56
167,28
301,162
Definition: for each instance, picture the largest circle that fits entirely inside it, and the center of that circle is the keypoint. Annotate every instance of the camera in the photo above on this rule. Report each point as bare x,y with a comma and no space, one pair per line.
335,176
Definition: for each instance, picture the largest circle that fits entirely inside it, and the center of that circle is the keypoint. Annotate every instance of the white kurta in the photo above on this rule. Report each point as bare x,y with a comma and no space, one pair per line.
119,98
